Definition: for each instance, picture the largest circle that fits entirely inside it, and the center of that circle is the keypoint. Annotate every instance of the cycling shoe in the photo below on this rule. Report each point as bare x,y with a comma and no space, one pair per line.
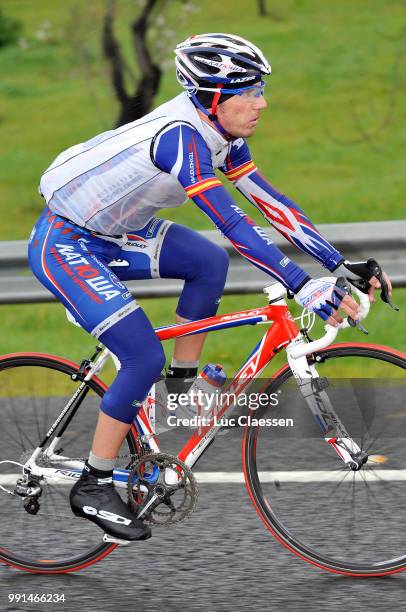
97,500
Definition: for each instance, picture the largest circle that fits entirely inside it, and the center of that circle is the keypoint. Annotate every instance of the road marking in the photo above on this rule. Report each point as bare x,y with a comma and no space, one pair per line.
303,476
298,476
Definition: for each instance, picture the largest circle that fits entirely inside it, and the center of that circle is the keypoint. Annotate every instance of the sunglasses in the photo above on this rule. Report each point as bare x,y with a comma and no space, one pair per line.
255,91
250,92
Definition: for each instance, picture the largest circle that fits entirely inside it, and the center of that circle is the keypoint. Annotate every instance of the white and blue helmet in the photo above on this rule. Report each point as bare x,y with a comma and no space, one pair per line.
205,61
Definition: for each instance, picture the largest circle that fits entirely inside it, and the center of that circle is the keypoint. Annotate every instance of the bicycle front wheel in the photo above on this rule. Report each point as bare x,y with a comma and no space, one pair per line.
343,521
34,388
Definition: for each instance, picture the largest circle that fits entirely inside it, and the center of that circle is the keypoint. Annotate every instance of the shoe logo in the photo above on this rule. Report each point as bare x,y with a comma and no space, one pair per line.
106,515
102,481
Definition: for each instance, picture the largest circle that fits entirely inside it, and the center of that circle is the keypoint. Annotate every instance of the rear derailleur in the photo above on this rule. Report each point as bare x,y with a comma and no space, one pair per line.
29,488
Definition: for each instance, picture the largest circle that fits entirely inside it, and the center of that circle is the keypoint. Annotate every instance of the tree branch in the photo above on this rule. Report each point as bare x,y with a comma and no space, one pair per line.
112,52
139,28
262,8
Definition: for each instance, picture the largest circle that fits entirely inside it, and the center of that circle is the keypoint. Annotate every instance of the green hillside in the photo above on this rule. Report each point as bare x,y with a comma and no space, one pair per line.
333,137
337,79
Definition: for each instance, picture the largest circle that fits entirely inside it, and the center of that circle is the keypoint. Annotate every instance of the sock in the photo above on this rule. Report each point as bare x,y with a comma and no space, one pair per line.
102,468
176,363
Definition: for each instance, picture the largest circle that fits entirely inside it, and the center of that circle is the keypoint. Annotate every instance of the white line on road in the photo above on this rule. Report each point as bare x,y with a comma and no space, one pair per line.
298,476
303,476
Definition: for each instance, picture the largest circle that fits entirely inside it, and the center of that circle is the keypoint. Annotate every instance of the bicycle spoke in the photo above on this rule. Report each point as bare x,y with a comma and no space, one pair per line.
12,438
35,393
370,490
52,496
341,518
384,483
22,434
36,420
352,505
375,439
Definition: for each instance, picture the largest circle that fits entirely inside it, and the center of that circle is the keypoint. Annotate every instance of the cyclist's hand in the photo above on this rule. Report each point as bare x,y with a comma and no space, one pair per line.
375,284
325,298
349,306
364,272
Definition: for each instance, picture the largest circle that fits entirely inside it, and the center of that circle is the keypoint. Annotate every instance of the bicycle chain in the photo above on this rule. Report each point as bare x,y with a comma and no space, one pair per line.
168,510
157,517
47,462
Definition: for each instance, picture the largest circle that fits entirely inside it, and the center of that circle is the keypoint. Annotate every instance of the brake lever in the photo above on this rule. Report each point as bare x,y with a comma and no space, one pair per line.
386,298
376,271
344,284
358,325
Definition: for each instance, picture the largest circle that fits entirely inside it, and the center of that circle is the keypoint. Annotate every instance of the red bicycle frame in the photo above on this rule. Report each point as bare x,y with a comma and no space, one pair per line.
282,331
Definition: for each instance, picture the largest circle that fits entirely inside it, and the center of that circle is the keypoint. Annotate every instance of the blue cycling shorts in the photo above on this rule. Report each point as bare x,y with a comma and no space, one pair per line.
85,271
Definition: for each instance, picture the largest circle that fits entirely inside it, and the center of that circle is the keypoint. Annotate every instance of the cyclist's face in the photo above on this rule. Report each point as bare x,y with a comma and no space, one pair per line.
239,114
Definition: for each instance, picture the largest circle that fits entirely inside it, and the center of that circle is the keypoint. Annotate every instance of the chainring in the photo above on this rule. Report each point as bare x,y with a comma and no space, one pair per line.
162,490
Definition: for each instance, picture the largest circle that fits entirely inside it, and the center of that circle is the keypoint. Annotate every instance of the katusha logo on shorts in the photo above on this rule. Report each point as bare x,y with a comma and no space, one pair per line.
90,275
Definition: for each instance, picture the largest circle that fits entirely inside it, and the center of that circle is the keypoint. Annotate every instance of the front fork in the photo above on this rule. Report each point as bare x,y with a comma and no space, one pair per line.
313,388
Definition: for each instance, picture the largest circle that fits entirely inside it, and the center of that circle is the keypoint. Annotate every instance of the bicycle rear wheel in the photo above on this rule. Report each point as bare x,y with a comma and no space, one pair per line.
343,521
34,388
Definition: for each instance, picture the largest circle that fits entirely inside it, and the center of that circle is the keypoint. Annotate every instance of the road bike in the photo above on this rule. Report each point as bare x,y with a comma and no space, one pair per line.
331,489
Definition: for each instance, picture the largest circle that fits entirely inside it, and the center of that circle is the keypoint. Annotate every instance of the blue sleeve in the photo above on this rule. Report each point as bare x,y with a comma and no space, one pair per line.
182,152
281,212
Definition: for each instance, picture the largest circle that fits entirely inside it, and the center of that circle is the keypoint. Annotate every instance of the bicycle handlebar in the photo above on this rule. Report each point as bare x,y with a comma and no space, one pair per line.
331,332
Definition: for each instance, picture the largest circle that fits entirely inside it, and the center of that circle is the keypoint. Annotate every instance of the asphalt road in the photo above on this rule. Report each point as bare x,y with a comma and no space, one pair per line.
222,558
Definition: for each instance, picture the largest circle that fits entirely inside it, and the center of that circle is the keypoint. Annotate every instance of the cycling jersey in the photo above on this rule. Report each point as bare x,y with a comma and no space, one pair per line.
110,184
119,180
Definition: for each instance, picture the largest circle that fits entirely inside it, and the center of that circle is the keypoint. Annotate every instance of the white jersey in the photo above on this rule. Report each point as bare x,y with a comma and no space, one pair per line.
110,184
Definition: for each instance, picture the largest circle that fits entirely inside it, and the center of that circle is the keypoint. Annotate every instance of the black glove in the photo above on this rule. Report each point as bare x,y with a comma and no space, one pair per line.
364,271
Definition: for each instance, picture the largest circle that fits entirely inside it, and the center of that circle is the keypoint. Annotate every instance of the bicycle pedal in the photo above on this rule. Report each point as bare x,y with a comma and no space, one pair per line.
112,540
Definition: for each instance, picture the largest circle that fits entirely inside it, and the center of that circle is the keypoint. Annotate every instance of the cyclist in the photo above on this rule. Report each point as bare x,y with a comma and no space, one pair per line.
99,229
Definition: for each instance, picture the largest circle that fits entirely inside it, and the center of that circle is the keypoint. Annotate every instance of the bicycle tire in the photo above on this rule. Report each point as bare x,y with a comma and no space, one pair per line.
279,526
64,369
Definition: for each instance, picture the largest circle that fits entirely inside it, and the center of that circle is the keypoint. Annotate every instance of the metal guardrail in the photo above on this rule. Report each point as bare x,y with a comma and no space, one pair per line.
384,240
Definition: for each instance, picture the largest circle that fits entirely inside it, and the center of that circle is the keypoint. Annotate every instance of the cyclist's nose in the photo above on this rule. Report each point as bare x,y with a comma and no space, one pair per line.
261,103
